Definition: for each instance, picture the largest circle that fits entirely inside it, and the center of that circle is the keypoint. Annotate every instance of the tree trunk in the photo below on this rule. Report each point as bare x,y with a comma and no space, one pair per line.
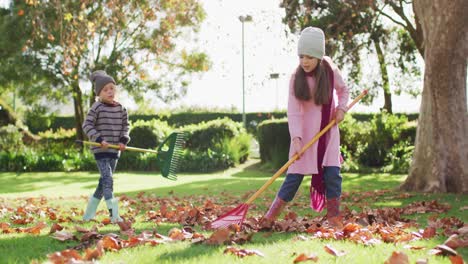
416,33
384,73
440,162
78,105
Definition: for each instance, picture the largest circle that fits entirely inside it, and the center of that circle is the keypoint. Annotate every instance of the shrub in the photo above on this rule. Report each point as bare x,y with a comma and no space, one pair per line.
385,132
399,157
38,120
148,134
274,140
10,139
205,135
217,144
237,148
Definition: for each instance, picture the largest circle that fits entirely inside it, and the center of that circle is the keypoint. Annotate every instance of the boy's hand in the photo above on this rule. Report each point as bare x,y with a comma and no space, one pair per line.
122,146
297,145
104,144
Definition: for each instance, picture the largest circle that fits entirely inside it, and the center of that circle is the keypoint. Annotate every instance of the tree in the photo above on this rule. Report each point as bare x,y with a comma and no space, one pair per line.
440,162
70,39
354,26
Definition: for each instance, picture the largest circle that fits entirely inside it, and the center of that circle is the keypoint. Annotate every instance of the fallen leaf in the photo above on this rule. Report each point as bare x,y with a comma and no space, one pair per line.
94,254
303,257
397,258
446,250
243,252
455,242
429,232
55,227
219,237
36,230
334,252
106,221
456,259
110,243
411,247
65,256
63,236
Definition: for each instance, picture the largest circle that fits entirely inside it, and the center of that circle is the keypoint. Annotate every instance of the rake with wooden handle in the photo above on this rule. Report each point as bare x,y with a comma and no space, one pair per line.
168,153
237,215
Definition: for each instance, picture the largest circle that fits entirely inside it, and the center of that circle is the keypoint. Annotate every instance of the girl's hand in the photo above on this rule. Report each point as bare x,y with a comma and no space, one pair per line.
297,145
122,146
339,115
104,144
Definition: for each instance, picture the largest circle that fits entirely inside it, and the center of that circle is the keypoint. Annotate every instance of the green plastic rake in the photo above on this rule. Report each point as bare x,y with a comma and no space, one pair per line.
168,153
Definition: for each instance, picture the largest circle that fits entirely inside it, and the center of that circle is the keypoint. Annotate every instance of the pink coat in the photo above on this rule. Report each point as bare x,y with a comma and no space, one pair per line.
304,119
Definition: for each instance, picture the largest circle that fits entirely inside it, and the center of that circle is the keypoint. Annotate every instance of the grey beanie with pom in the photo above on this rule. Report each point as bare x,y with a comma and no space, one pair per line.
100,79
311,43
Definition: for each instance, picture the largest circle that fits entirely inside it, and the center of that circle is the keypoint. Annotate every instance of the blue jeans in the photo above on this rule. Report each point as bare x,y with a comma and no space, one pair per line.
105,187
331,176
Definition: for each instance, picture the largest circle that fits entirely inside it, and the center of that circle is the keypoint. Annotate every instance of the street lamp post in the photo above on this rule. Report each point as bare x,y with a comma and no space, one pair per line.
275,76
243,19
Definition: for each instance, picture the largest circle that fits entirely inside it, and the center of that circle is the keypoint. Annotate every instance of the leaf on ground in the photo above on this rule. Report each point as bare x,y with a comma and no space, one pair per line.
219,237
110,243
455,242
84,230
397,258
106,221
90,236
5,227
337,253
303,257
65,256
178,234
63,236
242,252
126,227
446,251
429,232
412,247
456,259
35,230
94,254
55,227
463,231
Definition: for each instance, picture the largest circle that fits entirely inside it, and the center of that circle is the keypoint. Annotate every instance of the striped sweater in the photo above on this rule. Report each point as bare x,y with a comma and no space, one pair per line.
107,122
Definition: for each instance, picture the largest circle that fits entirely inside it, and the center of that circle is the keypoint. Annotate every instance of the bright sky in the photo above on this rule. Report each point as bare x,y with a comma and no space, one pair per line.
267,50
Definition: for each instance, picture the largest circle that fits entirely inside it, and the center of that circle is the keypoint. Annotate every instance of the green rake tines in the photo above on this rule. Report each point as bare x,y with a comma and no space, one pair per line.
168,153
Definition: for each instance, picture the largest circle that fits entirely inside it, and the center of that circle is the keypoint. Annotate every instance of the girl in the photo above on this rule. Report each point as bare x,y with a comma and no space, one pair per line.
106,123
311,106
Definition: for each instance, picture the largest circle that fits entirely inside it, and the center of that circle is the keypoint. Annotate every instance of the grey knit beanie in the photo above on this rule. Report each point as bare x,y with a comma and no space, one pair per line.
100,79
311,43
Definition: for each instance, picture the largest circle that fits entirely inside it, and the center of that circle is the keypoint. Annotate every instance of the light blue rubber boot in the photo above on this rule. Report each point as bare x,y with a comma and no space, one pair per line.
90,212
113,206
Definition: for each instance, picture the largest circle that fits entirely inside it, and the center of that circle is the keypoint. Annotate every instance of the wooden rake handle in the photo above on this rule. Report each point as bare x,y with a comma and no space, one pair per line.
116,146
294,158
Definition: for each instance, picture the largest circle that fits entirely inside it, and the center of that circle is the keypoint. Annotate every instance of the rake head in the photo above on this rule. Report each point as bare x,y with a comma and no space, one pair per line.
235,216
169,154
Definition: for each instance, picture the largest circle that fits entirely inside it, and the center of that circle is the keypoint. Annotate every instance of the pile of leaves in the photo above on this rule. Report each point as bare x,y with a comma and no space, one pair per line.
368,227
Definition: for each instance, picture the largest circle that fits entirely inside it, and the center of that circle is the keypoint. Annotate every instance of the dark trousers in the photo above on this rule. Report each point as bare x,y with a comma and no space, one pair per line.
105,187
331,176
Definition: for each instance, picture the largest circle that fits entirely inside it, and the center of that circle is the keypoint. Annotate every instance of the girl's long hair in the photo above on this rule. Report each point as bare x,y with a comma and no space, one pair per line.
322,84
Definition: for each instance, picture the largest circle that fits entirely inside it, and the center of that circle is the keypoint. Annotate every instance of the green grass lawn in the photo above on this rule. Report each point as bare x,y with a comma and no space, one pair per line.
66,190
